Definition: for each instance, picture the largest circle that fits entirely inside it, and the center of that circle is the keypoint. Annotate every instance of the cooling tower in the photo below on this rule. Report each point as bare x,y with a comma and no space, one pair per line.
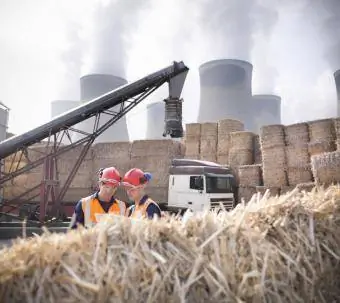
4,113
155,120
225,91
337,84
95,85
266,110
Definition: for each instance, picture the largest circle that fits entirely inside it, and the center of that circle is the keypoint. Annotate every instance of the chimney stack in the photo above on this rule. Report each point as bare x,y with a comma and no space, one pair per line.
225,91
95,85
266,110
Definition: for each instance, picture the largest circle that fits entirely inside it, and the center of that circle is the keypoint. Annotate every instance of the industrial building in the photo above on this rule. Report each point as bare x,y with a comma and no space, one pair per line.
266,110
337,84
95,85
225,91
4,114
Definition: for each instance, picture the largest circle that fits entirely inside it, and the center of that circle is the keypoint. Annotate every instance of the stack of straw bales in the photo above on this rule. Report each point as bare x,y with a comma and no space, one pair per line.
276,250
326,168
257,150
322,136
241,150
250,176
298,160
225,127
337,132
192,140
155,156
208,142
273,156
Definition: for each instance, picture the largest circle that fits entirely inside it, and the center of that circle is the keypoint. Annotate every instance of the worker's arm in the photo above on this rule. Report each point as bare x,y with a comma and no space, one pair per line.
153,210
79,215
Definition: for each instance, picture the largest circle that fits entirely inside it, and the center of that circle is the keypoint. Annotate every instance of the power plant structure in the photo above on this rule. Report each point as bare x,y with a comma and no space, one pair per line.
337,84
93,86
59,107
226,91
4,114
155,120
266,110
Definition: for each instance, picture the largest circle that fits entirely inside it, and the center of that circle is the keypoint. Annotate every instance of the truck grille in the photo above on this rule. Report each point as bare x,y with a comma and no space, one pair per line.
228,203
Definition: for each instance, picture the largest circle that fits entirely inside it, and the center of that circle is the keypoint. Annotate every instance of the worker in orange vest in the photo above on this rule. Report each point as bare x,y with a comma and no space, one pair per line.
102,201
135,181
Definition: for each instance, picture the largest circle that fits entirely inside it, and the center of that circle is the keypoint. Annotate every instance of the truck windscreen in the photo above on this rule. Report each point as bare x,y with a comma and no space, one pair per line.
215,184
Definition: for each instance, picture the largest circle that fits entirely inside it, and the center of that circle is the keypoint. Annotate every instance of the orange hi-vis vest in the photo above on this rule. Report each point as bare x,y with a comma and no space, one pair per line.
91,207
139,211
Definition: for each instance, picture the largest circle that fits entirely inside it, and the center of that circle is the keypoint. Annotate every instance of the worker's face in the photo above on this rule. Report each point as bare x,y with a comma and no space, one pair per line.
107,189
134,193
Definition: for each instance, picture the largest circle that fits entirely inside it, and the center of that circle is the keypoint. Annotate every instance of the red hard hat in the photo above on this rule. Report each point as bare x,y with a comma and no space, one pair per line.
134,177
110,175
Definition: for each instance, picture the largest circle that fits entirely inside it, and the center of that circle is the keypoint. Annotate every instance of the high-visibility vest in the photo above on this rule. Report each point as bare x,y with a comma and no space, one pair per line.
139,211
91,207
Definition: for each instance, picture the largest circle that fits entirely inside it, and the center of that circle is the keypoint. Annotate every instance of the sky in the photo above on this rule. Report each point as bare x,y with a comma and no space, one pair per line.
47,45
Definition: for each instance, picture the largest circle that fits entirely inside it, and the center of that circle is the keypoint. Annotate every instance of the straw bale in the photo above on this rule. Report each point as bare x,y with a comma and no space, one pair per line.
65,166
112,150
272,190
306,187
242,140
297,156
192,147
76,193
320,147
298,175
257,150
336,122
209,129
208,145
195,157
326,168
272,136
222,159
209,157
158,194
193,130
296,134
286,189
155,148
75,153
337,142
240,157
250,175
274,157
16,157
321,130
273,250
274,177
79,180
245,193
225,127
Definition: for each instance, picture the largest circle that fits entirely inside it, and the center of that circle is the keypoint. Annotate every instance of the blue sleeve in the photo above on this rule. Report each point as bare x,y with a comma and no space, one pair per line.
78,210
152,210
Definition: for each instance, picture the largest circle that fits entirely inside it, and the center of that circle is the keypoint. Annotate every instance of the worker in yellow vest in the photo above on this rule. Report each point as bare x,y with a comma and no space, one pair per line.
134,182
101,202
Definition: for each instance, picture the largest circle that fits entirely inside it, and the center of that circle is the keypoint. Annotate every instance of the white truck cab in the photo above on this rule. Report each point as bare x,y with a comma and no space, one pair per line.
199,185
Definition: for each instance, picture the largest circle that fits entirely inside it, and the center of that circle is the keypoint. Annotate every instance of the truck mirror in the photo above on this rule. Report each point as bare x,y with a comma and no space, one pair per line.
199,183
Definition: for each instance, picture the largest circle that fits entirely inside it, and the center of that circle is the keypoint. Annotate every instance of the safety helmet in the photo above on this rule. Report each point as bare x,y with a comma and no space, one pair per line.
110,175
135,177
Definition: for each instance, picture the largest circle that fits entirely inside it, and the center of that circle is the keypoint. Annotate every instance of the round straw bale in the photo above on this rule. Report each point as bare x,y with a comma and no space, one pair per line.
320,147
274,177
321,130
239,157
193,130
298,175
250,175
209,129
242,140
297,156
272,135
274,156
273,191
246,193
326,168
296,134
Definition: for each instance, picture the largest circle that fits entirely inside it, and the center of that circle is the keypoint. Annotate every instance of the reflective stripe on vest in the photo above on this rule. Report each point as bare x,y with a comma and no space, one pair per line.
139,211
90,214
